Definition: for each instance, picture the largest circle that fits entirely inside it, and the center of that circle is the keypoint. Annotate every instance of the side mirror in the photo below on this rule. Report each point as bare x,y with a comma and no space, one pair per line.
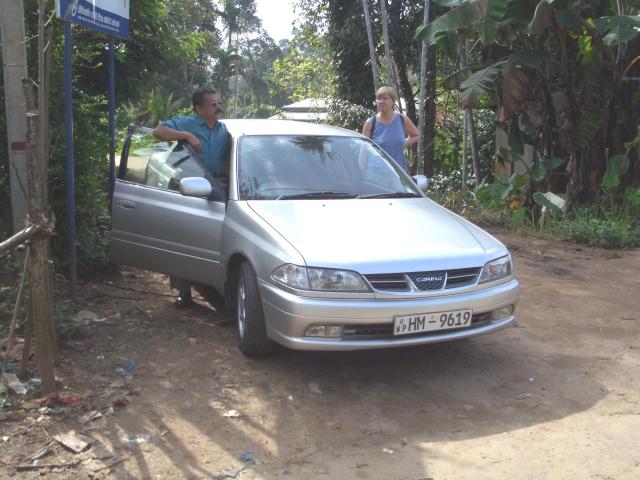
421,181
195,187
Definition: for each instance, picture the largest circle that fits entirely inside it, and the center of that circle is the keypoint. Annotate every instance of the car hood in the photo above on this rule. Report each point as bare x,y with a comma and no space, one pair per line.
379,235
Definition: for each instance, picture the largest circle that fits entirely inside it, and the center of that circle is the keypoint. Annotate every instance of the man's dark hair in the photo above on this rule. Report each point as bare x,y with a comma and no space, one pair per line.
198,95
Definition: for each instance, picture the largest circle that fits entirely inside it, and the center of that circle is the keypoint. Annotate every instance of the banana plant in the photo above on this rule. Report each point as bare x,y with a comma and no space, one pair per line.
527,183
564,77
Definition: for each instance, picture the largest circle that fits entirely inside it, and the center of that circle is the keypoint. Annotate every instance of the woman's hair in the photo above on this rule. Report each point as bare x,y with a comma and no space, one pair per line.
386,91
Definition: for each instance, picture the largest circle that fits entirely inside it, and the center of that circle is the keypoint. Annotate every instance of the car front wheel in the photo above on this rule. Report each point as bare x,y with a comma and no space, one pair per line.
252,333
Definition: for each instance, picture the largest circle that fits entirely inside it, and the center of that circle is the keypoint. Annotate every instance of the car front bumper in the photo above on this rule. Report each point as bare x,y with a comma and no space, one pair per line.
288,316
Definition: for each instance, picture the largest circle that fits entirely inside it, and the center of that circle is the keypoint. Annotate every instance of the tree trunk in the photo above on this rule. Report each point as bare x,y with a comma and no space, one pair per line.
468,119
474,146
38,266
465,148
430,120
405,87
38,262
372,49
407,94
423,94
387,45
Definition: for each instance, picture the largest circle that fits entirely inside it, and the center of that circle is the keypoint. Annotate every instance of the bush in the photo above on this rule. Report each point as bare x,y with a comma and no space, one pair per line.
347,115
91,156
448,147
584,225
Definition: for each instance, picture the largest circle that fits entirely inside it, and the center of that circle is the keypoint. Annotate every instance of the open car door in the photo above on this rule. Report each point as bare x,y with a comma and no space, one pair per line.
154,225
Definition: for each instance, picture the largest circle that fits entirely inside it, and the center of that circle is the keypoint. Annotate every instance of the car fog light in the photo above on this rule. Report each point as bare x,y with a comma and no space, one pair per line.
330,331
502,312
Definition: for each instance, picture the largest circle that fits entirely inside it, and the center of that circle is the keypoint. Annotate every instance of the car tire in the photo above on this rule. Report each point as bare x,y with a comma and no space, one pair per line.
251,329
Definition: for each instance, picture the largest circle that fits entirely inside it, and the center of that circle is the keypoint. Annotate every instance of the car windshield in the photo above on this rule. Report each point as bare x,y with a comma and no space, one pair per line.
287,167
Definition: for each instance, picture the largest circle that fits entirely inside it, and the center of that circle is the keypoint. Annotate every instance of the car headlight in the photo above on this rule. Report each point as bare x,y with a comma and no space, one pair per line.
326,279
496,269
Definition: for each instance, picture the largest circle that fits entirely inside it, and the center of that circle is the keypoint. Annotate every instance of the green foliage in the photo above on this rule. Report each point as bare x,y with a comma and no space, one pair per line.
616,167
481,83
586,225
618,29
157,105
564,92
461,15
260,111
543,201
350,47
7,304
91,153
295,76
4,401
446,191
9,263
448,146
64,310
63,313
347,115
517,186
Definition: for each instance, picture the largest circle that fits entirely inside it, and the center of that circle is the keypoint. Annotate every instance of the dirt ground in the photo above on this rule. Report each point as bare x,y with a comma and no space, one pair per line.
557,396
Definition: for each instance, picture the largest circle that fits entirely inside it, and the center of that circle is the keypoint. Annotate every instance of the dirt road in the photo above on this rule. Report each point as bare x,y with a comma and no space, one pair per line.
555,397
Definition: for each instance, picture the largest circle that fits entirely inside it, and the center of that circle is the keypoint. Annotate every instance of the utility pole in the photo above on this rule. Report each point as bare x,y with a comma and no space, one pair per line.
14,69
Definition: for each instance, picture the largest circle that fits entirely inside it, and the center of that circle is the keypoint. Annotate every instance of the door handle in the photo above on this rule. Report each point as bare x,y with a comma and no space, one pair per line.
127,204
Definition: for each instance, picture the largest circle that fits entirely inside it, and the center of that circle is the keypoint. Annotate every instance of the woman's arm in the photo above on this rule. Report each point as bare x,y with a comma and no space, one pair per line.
413,134
366,129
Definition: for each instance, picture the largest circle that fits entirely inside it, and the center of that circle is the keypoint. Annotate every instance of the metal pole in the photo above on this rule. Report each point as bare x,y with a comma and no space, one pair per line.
112,119
68,120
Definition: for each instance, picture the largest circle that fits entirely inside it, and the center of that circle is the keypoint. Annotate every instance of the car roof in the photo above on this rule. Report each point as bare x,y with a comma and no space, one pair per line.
239,127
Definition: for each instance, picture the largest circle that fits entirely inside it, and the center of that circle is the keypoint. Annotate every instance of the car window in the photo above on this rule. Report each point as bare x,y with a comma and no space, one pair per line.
283,166
159,164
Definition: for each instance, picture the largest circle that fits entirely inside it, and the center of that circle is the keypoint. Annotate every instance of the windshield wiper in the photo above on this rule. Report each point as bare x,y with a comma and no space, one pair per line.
311,195
392,195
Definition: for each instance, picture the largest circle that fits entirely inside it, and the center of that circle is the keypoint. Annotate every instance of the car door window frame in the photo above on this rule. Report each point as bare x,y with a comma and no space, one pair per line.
217,194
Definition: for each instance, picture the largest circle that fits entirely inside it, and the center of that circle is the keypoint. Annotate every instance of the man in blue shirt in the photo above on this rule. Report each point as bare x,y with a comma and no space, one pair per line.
202,129
208,136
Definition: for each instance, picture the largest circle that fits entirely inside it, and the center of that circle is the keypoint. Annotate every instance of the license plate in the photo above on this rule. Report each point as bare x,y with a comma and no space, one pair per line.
426,322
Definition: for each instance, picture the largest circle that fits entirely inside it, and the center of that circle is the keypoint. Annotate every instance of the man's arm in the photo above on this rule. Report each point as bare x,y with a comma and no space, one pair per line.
166,134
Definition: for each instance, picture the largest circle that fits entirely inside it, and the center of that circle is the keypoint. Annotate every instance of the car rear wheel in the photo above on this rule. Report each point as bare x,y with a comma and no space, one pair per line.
252,333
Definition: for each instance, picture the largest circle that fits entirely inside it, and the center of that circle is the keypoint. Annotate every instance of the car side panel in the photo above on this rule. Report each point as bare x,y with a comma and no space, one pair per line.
164,231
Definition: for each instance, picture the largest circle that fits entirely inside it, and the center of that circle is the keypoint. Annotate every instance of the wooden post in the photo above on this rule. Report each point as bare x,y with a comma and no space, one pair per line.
38,262
40,310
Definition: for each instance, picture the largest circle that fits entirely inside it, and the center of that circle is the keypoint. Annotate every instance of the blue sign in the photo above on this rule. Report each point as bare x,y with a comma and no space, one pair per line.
106,16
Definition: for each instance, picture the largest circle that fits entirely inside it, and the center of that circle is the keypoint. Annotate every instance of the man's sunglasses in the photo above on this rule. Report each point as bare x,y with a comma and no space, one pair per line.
213,103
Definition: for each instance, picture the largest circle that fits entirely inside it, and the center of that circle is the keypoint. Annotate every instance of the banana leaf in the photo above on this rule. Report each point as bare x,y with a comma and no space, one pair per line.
462,17
538,172
541,200
481,83
618,29
553,163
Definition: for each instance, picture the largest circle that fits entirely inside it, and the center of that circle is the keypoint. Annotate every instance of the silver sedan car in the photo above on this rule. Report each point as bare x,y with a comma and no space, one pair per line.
316,240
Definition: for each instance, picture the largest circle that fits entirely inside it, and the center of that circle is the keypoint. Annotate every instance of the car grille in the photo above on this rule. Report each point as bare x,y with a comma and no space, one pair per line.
385,331
424,281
